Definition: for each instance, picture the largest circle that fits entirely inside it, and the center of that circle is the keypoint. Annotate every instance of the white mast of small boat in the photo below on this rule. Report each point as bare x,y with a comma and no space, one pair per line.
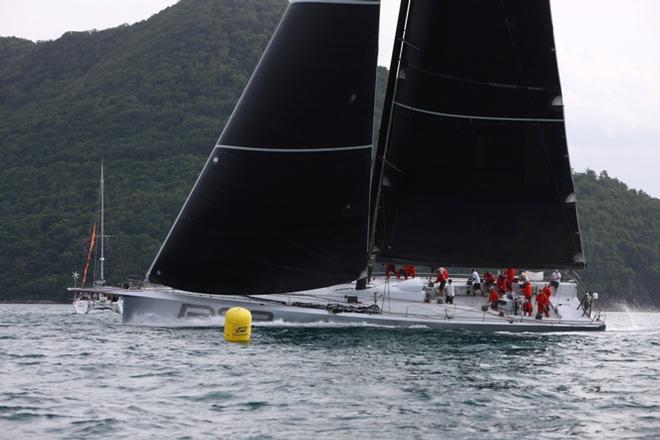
86,302
101,281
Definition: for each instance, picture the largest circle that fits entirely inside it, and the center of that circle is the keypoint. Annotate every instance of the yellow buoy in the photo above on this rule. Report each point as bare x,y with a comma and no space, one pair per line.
238,325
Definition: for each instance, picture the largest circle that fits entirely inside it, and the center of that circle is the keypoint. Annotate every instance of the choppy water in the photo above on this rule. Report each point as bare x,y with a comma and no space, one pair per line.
70,376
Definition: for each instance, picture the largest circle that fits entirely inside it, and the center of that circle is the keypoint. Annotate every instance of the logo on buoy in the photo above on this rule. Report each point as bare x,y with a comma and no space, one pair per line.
238,325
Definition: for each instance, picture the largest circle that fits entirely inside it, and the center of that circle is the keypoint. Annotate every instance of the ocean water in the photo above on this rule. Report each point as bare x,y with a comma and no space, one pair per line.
89,377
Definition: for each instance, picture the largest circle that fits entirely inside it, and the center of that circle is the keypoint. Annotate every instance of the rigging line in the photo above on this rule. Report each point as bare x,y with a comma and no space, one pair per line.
538,129
474,81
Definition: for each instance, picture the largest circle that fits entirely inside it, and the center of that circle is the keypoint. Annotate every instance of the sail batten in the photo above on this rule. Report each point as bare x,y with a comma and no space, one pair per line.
486,118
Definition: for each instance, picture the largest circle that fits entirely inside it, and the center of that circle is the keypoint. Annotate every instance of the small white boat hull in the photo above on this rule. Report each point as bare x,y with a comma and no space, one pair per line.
96,302
82,306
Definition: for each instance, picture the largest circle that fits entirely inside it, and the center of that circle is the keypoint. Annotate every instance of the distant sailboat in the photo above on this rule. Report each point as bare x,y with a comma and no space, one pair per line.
295,204
85,301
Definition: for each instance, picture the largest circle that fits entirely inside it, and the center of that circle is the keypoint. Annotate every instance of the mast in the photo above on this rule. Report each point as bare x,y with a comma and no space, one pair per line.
102,257
384,130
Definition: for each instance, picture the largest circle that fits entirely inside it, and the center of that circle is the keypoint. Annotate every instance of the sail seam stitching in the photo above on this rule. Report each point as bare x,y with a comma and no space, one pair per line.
486,118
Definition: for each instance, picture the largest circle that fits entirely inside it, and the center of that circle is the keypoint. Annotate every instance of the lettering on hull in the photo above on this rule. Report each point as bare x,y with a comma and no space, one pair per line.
202,311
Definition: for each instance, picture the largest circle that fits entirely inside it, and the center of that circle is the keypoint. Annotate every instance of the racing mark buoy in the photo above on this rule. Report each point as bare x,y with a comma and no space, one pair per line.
238,325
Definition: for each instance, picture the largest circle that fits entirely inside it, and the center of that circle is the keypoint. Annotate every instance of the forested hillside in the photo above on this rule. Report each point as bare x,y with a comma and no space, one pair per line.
621,235
150,100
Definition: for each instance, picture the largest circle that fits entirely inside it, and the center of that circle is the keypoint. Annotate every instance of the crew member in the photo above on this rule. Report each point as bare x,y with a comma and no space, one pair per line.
510,275
476,282
450,292
411,272
493,298
541,303
390,269
501,282
556,279
548,292
527,291
443,276
489,280
523,277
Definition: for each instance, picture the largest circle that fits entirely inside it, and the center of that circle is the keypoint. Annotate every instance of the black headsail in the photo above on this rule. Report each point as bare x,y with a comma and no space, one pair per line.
473,154
282,203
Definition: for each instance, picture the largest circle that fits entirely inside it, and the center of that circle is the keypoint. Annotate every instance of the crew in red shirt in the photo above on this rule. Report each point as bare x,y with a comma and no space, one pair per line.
510,275
489,280
501,282
527,290
443,276
410,271
542,304
493,298
548,292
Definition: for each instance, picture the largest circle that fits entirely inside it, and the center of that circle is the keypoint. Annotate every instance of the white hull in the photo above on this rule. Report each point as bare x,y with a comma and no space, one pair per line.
400,304
96,303
82,306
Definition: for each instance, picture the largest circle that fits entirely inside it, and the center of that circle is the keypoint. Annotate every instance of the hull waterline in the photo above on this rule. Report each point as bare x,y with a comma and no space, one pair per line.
396,304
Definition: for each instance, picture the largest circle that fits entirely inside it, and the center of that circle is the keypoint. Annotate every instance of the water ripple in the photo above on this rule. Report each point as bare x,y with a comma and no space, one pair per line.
90,377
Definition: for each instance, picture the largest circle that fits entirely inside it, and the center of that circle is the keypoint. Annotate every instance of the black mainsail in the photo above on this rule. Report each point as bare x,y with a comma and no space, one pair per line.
472,166
282,202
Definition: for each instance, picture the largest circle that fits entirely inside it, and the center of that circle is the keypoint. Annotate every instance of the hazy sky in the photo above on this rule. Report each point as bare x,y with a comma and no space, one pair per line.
609,61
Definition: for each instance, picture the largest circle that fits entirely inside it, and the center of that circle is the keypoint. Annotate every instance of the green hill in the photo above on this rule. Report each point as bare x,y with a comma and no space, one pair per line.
150,99
621,234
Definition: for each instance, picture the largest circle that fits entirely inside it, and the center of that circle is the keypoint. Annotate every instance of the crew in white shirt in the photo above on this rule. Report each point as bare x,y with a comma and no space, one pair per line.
450,294
476,282
556,279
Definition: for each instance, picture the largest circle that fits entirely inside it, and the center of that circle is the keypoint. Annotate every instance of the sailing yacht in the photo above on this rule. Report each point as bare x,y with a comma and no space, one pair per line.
296,208
84,301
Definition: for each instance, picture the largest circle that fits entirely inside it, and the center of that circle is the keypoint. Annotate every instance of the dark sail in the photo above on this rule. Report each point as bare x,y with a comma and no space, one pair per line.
282,203
476,169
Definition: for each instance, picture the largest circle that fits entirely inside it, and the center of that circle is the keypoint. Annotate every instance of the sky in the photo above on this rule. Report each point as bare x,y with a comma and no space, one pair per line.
608,53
